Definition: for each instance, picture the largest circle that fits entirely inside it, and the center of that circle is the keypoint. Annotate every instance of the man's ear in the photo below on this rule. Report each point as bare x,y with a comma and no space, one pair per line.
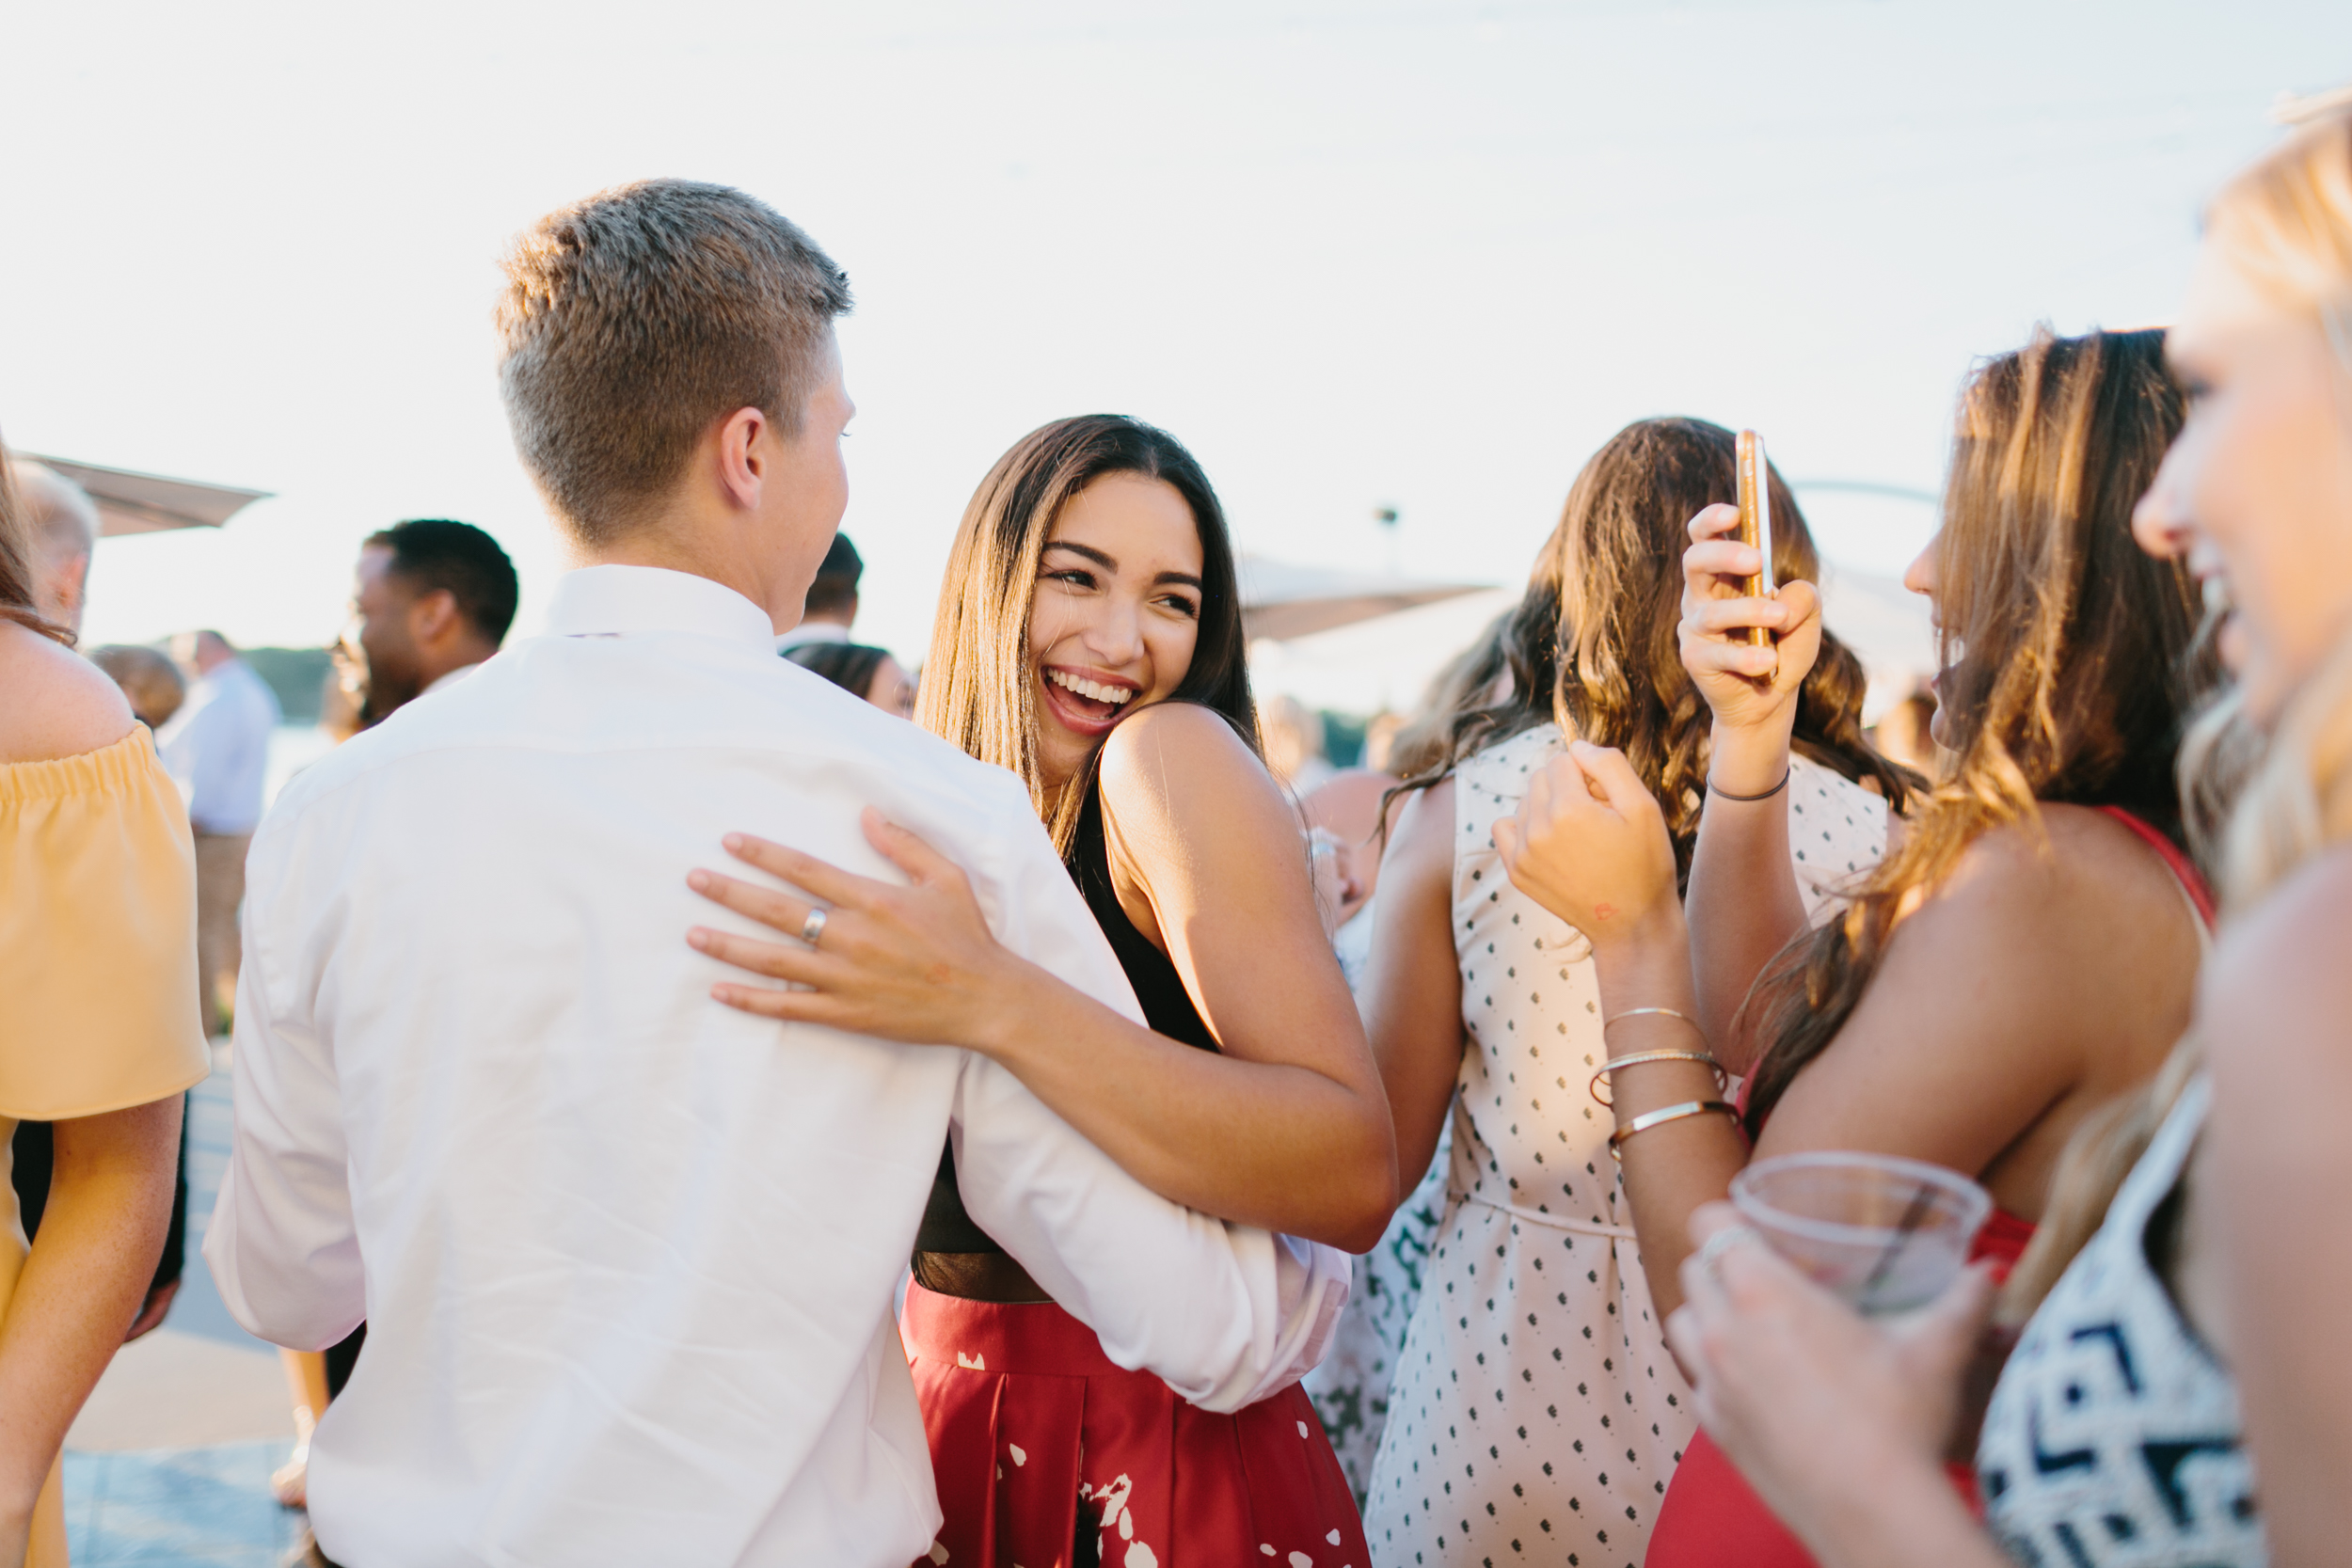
432,616
743,457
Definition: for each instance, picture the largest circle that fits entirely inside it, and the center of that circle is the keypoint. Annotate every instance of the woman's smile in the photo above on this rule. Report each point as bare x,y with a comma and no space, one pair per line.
1086,701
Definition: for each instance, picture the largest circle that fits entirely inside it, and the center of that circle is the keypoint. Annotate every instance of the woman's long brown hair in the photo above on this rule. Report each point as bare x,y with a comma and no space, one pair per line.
978,685
2066,652
1594,645
16,563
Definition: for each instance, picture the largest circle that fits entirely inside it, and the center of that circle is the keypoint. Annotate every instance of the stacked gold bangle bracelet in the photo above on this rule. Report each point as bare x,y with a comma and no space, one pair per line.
1649,1120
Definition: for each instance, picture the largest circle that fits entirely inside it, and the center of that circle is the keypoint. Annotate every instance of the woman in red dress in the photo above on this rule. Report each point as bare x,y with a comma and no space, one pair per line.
2025,953
1089,639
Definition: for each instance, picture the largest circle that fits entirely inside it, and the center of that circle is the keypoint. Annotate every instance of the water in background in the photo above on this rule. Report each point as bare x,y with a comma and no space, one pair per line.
291,747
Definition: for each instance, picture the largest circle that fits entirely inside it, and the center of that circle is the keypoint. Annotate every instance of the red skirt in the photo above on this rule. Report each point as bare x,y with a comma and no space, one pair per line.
1037,1436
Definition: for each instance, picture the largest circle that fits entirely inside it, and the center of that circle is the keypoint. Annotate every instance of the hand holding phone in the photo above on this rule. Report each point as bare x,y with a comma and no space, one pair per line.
1755,521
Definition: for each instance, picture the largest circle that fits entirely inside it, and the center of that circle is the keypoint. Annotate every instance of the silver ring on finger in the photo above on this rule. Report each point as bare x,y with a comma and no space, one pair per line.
813,926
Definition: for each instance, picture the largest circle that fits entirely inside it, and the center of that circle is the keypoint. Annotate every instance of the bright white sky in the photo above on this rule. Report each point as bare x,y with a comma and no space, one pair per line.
1387,252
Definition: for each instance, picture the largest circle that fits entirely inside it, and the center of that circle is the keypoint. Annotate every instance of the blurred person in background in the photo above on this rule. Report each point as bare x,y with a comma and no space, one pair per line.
433,599
97,958
63,525
148,679
1535,1315
1292,734
831,610
862,671
217,747
2180,1393
2025,953
1906,733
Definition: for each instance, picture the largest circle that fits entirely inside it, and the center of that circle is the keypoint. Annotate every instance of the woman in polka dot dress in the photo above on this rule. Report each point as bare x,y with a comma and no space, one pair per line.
1536,1415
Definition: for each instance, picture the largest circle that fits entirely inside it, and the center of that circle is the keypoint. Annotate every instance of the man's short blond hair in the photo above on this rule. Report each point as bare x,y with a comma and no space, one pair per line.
633,320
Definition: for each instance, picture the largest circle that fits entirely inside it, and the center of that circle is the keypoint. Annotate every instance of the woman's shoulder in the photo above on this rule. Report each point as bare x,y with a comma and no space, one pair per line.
2282,962
1169,747
59,703
2077,873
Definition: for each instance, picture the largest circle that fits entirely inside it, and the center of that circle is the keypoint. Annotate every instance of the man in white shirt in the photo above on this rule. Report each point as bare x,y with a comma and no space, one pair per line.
217,747
831,610
431,601
627,1256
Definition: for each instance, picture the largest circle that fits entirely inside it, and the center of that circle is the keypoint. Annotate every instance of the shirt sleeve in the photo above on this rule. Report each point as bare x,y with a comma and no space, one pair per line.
283,1246
97,935
1226,1314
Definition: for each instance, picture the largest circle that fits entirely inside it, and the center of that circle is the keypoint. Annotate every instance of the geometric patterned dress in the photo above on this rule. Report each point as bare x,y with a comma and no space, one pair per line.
1536,1415
2114,1436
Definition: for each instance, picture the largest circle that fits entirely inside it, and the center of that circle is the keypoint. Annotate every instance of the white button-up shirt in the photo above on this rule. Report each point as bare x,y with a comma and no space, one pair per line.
217,747
627,1256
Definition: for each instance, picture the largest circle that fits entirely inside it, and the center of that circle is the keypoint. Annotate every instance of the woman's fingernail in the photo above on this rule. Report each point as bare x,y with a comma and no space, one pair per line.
698,938
733,842
698,880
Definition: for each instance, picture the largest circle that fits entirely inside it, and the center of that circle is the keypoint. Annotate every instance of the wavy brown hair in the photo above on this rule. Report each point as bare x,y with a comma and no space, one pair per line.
978,685
17,602
1594,645
2066,652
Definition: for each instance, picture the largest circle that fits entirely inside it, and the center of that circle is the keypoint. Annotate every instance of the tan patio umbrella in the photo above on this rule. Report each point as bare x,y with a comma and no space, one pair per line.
131,502
1281,600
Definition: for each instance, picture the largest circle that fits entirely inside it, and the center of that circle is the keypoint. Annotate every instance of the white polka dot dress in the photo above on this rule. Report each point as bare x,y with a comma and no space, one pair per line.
1535,1416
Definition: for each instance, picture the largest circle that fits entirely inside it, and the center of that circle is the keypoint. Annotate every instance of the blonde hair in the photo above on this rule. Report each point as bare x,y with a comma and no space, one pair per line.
634,320
2257,810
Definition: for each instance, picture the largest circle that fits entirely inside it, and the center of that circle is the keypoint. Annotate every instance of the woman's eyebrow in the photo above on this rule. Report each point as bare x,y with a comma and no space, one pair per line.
1107,563
1184,577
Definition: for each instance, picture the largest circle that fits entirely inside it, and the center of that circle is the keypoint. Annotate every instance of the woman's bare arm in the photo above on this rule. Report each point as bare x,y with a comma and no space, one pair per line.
110,1204
2274,1018
1413,1001
2032,986
1286,1128
1744,903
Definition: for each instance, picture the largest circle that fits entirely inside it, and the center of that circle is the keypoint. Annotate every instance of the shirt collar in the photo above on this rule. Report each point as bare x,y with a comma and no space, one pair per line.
613,601
449,677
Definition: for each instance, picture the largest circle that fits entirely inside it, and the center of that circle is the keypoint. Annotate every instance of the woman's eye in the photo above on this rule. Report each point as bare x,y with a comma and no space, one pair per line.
1074,577
1183,605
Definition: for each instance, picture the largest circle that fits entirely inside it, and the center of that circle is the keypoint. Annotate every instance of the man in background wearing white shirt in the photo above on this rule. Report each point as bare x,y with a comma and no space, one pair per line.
431,601
831,610
217,747
627,1256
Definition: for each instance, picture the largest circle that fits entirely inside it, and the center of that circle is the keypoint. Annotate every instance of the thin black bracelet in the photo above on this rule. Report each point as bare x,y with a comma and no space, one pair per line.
1766,796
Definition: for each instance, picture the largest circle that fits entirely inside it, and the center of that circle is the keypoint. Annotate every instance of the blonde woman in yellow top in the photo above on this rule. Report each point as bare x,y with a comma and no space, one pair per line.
98,1033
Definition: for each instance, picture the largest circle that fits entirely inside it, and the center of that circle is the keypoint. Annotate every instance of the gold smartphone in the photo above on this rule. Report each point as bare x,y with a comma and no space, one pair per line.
1755,521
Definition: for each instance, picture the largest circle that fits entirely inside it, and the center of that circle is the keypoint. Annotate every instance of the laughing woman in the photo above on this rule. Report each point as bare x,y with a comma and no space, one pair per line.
1089,639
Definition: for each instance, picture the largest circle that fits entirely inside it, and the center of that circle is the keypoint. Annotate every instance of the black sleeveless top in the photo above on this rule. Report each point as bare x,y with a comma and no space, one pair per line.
1167,1008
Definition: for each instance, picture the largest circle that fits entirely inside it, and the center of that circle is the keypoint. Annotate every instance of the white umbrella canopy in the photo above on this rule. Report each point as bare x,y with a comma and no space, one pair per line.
1281,599
131,503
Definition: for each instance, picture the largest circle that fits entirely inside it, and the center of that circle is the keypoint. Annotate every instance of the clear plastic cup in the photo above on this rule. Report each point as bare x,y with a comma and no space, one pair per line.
1885,1234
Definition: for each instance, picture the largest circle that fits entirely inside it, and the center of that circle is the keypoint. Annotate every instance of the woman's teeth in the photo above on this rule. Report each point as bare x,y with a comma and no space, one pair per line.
1115,695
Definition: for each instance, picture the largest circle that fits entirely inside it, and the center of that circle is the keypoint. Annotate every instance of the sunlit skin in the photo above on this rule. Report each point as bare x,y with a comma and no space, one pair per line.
2257,491
1284,1126
1117,606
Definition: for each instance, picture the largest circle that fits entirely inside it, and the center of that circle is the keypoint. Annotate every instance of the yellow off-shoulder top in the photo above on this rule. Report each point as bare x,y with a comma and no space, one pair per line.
98,1000
97,935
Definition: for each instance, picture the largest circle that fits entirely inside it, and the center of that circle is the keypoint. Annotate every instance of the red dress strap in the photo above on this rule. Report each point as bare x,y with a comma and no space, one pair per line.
2192,880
